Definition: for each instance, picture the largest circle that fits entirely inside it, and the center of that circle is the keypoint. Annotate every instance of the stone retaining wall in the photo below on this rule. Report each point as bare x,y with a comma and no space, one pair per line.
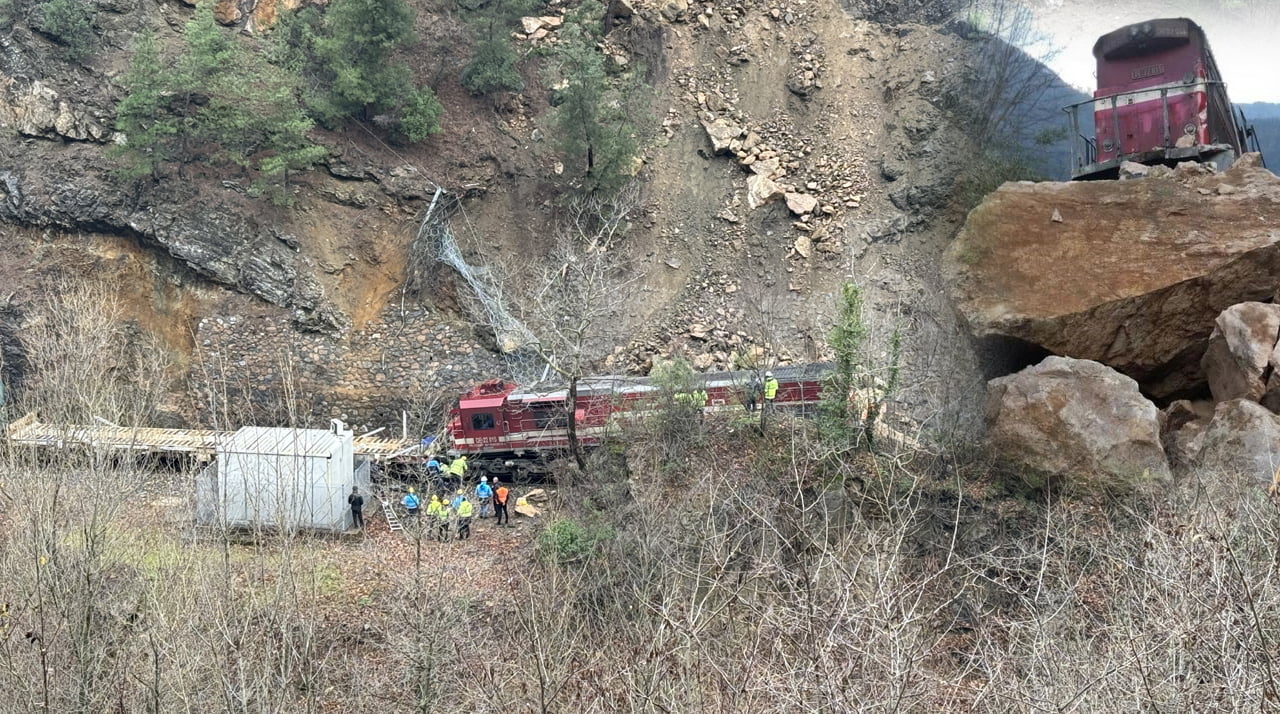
259,365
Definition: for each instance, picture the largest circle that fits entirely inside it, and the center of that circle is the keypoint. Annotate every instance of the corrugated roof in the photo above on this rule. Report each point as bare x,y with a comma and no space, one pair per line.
278,441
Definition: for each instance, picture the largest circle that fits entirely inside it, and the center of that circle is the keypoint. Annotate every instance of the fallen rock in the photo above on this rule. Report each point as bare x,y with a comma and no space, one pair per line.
804,246
1240,348
537,496
1135,275
675,10
1182,429
1243,439
761,190
722,134
801,203
1133,170
1079,420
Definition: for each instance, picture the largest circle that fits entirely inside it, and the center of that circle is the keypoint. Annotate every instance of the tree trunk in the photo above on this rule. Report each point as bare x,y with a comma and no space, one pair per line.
574,445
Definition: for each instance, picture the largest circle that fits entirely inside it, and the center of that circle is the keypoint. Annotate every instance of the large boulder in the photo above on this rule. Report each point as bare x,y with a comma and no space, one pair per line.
1240,351
1243,439
1182,429
1077,419
1128,273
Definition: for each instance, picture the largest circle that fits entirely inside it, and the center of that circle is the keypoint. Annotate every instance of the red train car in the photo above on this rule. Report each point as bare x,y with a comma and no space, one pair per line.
1160,100
505,429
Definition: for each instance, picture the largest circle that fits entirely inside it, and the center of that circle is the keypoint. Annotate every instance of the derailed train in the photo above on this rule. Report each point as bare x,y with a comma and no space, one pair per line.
507,430
1160,100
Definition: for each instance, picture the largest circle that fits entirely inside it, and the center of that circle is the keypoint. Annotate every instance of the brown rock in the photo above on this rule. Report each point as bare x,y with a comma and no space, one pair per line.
1182,430
1243,439
1240,347
722,134
227,12
804,246
1077,419
801,203
1134,280
761,190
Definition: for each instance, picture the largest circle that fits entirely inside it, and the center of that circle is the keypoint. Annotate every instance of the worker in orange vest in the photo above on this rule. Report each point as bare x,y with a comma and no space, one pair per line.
500,497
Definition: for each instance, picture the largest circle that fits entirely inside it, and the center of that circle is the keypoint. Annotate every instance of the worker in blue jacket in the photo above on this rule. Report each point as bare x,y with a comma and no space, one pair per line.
484,494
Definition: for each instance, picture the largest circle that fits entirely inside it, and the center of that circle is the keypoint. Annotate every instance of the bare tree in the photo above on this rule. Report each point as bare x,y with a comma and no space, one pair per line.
573,304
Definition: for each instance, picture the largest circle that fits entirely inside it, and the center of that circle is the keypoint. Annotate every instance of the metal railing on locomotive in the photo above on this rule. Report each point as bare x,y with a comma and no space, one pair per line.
1084,148
513,338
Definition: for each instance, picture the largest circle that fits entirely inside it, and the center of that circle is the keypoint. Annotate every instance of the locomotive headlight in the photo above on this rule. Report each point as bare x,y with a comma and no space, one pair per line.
1108,145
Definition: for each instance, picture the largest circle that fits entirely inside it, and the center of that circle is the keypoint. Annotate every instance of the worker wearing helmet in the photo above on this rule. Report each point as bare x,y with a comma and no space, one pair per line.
484,494
465,510
410,503
443,512
770,389
458,468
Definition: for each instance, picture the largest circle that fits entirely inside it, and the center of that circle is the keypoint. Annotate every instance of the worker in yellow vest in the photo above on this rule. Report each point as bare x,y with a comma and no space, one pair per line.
465,511
770,390
442,519
458,469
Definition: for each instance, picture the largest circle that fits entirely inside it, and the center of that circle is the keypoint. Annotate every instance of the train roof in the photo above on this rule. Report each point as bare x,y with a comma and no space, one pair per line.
589,386
1146,37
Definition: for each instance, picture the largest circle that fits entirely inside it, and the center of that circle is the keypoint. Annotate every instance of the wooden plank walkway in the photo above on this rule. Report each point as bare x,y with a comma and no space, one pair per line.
201,442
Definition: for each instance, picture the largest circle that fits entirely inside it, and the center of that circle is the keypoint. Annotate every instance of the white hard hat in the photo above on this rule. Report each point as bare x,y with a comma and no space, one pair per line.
484,479
768,374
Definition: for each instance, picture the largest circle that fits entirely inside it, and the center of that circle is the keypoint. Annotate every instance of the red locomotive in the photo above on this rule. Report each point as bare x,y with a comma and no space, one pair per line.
504,429
1160,100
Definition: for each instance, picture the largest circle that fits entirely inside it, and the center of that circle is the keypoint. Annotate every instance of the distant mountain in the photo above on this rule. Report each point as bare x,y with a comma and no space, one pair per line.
1265,118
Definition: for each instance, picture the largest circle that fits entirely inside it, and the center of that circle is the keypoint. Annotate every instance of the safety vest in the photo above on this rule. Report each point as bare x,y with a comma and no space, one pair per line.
458,466
484,490
502,495
442,512
433,507
410,501
465,509
770,388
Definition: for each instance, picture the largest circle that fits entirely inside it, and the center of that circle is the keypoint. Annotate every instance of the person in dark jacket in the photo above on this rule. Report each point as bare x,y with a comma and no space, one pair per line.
356,501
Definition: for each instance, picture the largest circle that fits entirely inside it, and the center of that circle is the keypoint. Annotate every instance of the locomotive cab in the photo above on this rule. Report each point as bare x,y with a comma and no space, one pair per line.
1160,100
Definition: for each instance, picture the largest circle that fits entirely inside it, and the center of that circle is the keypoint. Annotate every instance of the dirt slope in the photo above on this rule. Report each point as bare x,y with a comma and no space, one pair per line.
843,103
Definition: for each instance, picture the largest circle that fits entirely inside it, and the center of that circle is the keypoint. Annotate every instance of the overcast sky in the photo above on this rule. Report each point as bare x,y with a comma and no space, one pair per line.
1243,34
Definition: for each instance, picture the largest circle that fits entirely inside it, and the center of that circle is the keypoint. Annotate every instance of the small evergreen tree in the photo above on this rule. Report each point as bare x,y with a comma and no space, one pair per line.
593,121
837,421
70,23
492,67
143,114
220,101
346,54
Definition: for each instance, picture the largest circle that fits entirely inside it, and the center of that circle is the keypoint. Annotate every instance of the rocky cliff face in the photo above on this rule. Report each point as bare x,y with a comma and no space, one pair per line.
837,167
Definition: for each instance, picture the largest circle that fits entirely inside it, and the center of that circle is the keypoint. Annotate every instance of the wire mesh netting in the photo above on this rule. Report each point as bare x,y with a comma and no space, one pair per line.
436,241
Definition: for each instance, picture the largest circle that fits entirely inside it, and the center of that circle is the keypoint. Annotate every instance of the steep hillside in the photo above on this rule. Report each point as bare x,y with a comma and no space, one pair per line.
251,296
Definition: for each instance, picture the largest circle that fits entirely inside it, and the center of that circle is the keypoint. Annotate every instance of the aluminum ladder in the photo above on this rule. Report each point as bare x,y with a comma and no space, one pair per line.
393,521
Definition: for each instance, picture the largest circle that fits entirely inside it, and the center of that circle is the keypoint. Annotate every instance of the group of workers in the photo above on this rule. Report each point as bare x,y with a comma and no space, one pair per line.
445,514
768,390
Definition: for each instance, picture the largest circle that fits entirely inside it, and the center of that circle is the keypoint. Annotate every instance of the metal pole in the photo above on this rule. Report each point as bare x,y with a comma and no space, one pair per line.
1115,126
1164,108
404,424
1075,135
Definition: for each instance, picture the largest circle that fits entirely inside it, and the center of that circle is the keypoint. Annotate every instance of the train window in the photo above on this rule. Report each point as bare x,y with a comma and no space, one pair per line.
482,421
549,416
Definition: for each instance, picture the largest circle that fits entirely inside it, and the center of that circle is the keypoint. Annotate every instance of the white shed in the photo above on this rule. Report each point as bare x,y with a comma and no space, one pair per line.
281,478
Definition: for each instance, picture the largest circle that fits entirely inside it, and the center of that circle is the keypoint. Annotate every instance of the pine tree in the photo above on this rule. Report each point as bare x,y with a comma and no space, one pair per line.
593,121
347,53
220,101
143,114
837,421
493,61
70,22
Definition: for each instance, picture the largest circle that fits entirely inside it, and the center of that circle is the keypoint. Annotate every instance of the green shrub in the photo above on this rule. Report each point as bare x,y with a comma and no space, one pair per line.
70,22
492,69
567,541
